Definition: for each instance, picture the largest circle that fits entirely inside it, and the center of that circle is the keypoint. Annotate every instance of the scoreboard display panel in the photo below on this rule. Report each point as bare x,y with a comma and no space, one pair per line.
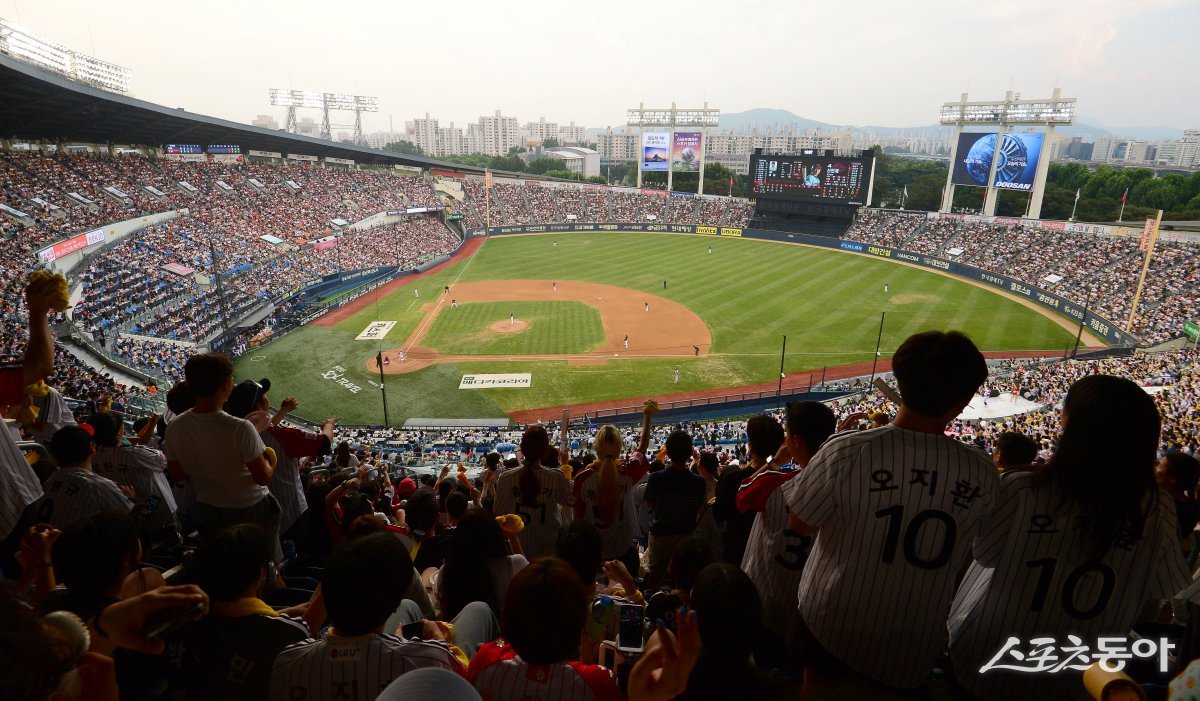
812,178
224,149
184,149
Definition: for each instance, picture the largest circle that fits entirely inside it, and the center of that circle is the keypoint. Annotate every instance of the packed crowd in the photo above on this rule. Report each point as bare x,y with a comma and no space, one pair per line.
1100,271
644,564
534,204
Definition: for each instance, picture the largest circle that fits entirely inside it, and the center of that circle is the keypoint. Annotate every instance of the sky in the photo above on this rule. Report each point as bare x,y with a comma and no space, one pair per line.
879,62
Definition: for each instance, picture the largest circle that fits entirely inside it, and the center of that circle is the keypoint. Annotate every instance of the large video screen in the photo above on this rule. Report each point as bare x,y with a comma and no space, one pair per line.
176,149
811,178
1016,161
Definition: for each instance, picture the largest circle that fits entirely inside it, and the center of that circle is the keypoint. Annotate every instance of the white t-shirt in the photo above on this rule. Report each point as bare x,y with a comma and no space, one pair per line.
896,512
213,448
1033,576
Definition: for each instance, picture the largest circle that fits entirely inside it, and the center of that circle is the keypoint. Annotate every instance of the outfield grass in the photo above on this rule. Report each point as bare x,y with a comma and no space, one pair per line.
554,328
750,293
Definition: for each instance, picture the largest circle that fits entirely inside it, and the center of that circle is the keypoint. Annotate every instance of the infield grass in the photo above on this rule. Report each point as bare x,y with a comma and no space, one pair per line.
553,328
750,293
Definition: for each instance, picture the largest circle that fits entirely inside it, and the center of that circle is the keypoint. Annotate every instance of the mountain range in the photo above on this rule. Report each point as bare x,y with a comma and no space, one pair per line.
763,118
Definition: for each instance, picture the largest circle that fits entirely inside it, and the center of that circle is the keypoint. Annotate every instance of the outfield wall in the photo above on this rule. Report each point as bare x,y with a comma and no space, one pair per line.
1098,325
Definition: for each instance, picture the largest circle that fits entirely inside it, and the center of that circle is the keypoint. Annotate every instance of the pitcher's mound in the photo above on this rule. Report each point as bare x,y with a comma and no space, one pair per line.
508,327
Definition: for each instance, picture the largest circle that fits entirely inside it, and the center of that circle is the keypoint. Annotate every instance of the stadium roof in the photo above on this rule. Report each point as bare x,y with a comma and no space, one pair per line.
36,104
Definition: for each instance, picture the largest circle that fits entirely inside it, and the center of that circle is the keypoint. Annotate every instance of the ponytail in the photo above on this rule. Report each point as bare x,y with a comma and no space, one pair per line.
608,483
534,445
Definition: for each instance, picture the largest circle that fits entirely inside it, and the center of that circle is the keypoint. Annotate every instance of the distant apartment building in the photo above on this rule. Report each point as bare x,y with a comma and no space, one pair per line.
266,121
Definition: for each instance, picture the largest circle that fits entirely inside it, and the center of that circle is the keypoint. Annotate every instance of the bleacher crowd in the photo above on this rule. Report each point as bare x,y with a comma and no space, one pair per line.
1093,269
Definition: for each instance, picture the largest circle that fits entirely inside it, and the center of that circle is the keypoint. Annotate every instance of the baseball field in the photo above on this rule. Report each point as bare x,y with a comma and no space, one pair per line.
611,316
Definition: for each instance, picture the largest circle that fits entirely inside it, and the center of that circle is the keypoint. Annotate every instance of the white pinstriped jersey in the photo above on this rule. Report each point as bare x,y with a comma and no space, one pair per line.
352,669
73,493
1033,576
896,512
144,469
499,674
19,486
542,519
775,554
53,414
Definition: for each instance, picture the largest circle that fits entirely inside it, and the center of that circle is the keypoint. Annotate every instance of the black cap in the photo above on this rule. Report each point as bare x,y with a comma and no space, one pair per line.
245,397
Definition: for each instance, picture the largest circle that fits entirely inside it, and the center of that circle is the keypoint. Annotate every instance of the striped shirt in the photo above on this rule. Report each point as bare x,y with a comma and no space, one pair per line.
144,469
289,444
1033,576
896,511
73,493
19,485
617,535
499,674
542,520
53,414
352,669
775,554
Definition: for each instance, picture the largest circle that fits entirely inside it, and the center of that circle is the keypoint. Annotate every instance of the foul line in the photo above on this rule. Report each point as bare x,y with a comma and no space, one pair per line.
442,300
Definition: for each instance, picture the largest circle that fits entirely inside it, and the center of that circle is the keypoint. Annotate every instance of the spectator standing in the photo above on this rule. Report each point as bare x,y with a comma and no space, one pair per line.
775,554
250,398
534,493
674,496
74,491
1074,549
603,491
222,455
894,510
145,469
764,436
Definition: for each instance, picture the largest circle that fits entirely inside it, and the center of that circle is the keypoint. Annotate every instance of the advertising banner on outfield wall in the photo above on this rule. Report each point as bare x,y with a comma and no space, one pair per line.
686,149
656,150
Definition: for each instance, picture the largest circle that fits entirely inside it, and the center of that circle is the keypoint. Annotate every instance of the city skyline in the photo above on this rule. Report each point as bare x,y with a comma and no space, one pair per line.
212,60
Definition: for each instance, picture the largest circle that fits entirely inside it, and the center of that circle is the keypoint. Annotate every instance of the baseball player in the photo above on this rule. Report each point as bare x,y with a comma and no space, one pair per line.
645,306
512,319
895,510
73,491
554,287
885,288
416,293
626,341
775,554
534,493
454,304
676,375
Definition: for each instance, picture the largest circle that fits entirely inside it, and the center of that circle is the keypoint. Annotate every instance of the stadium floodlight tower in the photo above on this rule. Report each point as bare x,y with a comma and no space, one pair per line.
1012,111
673,119
326,102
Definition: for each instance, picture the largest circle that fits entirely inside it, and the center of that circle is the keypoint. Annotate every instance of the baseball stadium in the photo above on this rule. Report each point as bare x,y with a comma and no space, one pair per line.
398,343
